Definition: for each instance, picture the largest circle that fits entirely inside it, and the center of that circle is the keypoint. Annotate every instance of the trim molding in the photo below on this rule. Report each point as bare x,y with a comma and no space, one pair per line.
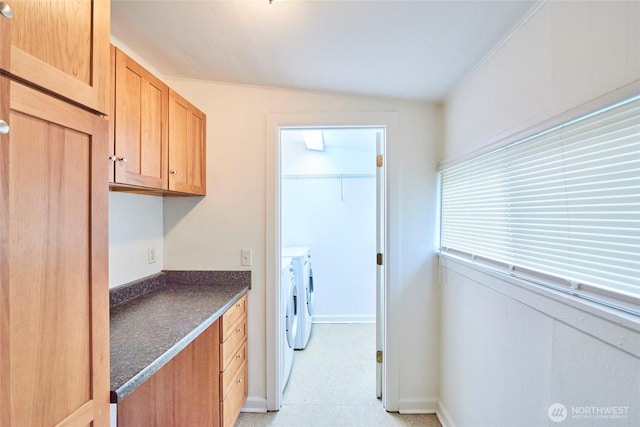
418,406
444,416
346,318
392,294
255,404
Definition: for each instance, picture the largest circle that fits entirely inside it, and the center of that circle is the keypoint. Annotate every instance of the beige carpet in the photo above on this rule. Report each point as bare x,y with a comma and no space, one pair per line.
333,384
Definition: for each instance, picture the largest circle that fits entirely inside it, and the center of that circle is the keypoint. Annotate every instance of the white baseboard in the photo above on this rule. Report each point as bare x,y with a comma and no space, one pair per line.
418,406
443,416
347,318
255,404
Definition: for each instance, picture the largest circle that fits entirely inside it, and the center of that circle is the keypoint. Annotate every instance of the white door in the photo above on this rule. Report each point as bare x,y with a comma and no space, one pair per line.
380,244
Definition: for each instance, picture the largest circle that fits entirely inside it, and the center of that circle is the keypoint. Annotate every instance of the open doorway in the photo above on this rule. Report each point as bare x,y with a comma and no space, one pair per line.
340,184
329,217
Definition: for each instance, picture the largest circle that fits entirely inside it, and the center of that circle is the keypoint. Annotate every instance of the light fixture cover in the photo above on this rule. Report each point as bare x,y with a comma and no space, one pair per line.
313,139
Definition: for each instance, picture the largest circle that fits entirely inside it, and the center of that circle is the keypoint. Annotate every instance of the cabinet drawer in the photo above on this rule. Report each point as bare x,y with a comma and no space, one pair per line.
228,374
232,344
231,316
231,405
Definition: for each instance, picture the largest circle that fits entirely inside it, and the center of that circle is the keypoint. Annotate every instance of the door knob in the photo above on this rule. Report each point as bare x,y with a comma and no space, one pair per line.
4,127
5,10
174,172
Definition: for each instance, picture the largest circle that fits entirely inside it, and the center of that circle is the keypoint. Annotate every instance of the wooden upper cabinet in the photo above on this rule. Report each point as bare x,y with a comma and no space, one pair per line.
61,46
54,327
187,141
141,131
158,138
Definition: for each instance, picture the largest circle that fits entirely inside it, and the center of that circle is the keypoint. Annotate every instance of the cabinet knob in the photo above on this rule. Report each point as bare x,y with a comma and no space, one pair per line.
174,172
239,380
239,330
5,10
4,127
238,356
113,158
122,159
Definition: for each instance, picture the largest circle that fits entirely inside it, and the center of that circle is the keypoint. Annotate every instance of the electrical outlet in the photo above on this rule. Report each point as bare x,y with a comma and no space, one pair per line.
245,257
151,253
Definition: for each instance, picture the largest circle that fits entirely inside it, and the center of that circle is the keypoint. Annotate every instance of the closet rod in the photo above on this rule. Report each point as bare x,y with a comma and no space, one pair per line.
331,176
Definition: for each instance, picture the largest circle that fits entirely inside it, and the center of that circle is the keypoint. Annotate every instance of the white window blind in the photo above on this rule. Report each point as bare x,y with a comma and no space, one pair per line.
564,203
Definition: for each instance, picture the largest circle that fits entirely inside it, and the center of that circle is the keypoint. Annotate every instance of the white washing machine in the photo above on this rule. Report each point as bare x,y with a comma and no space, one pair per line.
301,261
289,317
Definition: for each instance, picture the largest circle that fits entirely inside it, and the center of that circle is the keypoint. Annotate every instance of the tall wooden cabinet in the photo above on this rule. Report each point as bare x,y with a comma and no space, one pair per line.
59,45
54,332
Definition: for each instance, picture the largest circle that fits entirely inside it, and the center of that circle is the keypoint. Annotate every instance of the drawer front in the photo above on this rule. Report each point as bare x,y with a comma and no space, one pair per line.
231,316
231,345
226,377
231,405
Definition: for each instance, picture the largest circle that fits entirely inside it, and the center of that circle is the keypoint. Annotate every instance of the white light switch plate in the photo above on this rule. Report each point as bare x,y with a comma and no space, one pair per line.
245,257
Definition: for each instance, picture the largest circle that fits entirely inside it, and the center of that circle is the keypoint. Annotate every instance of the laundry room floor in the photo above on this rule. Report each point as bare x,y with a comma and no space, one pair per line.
333,384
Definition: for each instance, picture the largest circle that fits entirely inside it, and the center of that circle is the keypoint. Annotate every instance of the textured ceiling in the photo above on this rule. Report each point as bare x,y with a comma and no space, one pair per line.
400,49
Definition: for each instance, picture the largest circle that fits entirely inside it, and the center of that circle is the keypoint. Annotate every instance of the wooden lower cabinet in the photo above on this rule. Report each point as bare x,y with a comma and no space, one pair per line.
184,392
233,362
203,385
54,306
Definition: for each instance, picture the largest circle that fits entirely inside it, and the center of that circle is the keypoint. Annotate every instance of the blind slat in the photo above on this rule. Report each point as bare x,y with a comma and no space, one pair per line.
565,202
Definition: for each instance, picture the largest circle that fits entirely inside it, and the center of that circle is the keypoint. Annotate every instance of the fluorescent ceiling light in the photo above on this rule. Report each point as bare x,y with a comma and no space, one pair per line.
313,139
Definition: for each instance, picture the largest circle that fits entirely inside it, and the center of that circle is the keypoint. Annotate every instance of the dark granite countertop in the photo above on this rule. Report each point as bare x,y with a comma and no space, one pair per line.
149,329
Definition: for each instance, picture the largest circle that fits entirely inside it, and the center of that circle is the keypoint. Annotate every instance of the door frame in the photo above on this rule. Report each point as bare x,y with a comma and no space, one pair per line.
390,366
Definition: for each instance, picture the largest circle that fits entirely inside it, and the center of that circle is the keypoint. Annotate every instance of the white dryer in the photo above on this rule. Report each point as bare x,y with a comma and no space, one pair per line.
289,318
301,261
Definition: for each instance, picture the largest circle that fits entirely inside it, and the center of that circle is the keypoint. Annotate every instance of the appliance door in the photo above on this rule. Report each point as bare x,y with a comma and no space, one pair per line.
291,323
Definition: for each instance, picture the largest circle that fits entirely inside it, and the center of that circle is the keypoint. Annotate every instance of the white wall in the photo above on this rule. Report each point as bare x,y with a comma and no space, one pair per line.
210,233
508,354
335,217
136,224
563,56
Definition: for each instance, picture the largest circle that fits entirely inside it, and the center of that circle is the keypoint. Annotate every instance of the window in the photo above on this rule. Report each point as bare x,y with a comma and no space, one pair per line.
561,208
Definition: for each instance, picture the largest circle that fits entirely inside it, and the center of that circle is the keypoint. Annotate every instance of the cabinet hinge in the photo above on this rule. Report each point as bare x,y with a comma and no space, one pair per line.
379,259
379,160
379,356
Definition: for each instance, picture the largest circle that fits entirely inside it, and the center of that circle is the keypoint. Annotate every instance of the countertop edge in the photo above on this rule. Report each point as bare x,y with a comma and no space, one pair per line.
128,387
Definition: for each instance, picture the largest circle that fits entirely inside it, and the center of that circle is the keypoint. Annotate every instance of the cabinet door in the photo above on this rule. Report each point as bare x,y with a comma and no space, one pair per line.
187,145
60,45
141,102
184,392
54,323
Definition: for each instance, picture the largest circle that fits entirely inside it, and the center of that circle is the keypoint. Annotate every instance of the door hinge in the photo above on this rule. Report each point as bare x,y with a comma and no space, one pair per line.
379,356
379,259
379,160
